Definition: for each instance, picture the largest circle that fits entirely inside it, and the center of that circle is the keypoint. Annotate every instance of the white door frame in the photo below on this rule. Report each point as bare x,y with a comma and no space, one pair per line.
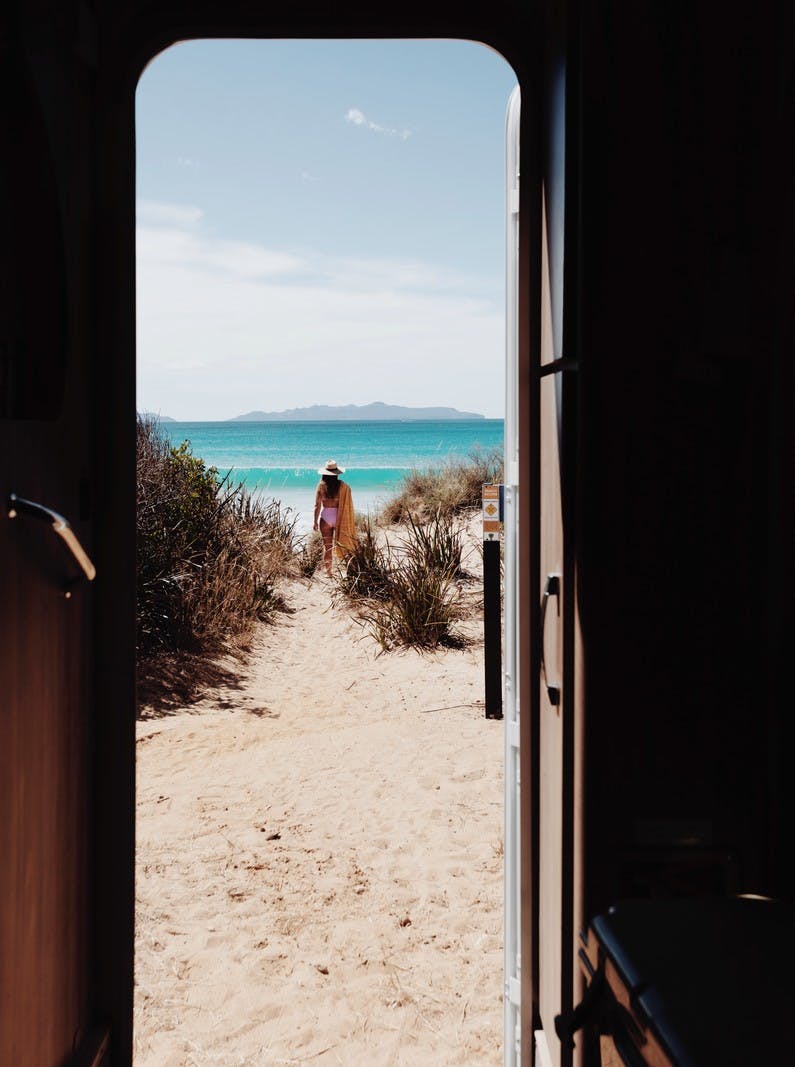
512,1024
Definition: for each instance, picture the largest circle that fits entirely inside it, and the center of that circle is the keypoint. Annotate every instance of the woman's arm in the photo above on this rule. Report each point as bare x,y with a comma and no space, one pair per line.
317,506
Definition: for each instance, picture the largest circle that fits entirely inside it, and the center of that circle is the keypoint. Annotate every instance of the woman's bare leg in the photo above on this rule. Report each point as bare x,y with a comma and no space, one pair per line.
327,541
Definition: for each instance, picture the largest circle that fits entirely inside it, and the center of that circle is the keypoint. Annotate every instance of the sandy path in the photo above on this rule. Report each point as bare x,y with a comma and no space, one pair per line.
319,864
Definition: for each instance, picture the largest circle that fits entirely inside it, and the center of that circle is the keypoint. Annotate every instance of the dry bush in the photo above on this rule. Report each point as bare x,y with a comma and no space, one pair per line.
453,486
420,612
366,573
209,553
311,554
435,544
407,594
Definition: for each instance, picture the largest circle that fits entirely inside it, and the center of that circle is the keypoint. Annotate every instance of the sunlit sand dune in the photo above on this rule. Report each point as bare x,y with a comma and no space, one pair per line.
319,864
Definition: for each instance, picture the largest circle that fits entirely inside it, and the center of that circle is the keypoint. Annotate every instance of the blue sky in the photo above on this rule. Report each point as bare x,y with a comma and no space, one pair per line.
320,222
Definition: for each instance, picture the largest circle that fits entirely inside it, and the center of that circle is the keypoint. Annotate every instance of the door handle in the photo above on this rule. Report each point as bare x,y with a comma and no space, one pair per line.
551,590
18,506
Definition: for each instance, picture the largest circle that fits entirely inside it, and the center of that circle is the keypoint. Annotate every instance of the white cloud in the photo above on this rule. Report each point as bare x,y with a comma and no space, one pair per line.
225,327
402,274
155,213
170,245
358,118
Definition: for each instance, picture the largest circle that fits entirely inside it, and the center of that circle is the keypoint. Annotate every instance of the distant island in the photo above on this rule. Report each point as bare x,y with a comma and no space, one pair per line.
356,413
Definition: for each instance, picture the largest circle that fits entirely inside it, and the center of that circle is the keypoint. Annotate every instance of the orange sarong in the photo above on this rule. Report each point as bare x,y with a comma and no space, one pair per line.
345,522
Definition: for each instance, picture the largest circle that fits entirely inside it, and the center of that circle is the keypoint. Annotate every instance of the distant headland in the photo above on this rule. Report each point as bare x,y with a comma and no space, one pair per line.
356,413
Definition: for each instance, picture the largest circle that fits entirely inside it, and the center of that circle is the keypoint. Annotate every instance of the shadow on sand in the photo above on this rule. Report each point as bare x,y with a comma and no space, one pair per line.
168,684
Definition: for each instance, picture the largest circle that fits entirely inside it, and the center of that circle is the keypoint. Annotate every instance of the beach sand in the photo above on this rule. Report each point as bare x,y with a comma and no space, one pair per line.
319,856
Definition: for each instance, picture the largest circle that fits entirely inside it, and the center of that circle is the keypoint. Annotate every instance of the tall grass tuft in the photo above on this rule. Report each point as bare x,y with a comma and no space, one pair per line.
209,553
366,574
311,554
453,486
436,544
407,593
420,612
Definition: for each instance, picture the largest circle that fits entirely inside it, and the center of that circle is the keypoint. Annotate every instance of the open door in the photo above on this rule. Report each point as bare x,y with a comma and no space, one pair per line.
512,1025
551,777
551,663
557,767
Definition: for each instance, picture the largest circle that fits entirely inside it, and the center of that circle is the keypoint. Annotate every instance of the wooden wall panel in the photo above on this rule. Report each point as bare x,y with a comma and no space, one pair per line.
45,639
44,883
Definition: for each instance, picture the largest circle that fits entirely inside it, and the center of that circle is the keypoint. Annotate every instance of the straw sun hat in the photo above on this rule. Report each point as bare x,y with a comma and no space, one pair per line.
331,467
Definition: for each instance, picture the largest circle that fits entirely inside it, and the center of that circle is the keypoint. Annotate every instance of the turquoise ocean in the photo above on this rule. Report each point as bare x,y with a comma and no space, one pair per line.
281,459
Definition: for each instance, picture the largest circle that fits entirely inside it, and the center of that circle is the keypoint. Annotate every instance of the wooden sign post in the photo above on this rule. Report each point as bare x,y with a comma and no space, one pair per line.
492,652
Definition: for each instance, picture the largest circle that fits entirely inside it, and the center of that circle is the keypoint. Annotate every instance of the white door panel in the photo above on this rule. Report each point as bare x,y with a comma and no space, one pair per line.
512,908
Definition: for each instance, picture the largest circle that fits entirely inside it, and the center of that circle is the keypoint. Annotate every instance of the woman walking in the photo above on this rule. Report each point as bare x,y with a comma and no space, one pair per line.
333,513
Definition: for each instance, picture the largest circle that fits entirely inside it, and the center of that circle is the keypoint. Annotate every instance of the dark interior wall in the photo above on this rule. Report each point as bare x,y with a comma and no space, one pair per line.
129,34
682,273
46,346
678,304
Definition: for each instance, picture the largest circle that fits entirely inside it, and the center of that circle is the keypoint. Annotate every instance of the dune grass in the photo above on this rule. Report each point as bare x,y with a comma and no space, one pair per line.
310,555
453,486
407,593
209,553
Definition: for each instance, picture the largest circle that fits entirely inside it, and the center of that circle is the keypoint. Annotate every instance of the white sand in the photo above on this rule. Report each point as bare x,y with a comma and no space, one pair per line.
319,864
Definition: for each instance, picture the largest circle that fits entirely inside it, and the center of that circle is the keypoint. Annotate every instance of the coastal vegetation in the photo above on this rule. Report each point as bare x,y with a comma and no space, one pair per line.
310,555
213,557
210,554
408,592
453,486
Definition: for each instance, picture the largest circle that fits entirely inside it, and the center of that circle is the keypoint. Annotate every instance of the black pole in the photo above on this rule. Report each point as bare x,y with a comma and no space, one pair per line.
492,656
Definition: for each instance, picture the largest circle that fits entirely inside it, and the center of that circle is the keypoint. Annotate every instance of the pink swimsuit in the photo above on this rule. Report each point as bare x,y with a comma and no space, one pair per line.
328,515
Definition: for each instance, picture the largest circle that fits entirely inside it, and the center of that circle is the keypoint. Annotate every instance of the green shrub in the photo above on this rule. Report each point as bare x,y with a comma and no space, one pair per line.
209,554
